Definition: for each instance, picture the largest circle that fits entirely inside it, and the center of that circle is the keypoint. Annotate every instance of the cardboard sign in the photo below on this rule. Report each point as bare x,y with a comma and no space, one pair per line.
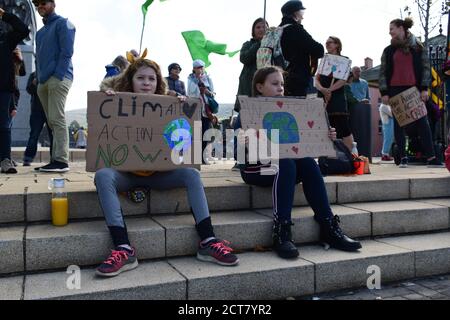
337,65
131,131
302,124
408,107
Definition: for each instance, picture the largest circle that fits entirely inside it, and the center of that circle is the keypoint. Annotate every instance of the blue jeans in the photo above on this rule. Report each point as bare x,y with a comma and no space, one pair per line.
290,173
37,121
5,125
388,136
110,181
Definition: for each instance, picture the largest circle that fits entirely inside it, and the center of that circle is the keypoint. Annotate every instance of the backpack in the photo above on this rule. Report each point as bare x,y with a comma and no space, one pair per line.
342,164
269,52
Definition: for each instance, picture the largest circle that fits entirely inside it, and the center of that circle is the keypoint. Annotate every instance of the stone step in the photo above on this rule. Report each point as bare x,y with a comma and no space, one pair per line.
43,155
259,275
29,200
87,243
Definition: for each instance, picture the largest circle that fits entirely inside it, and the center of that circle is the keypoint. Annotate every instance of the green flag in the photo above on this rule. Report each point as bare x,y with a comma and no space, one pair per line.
145,7
200,48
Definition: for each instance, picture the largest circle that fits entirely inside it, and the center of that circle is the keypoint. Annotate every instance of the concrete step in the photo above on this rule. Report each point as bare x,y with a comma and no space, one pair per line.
259,275
28,198
87,243
43,155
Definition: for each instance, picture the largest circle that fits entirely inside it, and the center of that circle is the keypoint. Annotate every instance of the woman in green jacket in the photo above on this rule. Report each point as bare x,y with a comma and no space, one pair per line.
248,58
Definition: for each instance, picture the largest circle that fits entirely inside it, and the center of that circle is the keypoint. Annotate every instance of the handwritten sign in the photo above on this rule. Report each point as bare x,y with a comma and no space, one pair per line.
302,124
408,107
337,65
131,131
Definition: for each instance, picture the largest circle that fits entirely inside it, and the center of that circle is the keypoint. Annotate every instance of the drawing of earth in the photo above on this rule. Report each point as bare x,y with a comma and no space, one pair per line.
181,138
285,123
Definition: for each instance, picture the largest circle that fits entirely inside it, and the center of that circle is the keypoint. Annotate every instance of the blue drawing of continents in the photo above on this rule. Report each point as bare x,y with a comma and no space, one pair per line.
181,138
285,123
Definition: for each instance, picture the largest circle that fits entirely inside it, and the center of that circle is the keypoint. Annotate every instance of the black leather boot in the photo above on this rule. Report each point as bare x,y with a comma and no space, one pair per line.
332,235
282,240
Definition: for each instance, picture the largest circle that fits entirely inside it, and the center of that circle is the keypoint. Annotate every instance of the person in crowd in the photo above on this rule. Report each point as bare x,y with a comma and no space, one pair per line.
248,59
387,121
54,50
268,82
37,122
405,64
360,87
299,49
20,71
80,138
119,64
201,86
333,92
144,76
12,32
176,86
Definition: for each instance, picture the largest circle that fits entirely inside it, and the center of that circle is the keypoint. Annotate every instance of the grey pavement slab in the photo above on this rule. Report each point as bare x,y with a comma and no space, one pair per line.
155,280
337,270
372,188
432,251
261,275
244,229
395,217
262,197
11,288
88,243
355,223
11,249
430,186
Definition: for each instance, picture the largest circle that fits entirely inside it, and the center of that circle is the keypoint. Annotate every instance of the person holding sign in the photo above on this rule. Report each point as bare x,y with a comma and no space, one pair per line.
268,82
144,76
405,65
333,92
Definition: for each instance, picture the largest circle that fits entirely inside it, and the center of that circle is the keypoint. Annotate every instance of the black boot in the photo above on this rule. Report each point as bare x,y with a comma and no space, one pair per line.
332,235
282,240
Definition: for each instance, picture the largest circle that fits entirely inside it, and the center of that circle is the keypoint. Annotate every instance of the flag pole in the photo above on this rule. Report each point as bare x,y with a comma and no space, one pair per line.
264,10
142,36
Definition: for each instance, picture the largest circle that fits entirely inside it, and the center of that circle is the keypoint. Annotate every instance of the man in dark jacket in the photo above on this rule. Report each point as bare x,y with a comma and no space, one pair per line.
9,39
299,49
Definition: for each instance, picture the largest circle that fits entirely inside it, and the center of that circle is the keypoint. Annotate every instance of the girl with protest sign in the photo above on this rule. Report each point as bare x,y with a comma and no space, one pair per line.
268,82
144,76
333,92
404,64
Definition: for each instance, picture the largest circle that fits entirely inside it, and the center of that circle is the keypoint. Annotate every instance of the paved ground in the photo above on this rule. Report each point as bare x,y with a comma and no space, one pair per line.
432,288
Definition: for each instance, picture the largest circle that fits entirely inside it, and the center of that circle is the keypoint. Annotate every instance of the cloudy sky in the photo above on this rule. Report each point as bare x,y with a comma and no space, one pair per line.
107,28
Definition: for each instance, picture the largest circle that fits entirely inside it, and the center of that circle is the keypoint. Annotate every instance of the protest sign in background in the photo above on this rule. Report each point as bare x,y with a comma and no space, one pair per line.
302,124
131,131
337,65
408,107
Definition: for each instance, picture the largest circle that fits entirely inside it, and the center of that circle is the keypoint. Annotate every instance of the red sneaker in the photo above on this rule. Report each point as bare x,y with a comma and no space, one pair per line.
119,261
217,251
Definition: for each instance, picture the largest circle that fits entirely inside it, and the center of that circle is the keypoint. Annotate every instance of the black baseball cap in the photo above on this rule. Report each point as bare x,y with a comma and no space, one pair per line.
292,6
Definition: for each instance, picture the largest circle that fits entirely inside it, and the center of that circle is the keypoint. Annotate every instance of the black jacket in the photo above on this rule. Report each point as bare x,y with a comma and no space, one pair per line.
8,42
299,48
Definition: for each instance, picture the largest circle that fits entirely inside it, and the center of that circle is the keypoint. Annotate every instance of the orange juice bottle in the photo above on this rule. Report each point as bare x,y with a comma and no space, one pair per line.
60,205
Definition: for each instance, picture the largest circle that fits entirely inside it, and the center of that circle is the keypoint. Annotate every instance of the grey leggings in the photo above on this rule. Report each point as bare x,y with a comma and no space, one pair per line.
110,181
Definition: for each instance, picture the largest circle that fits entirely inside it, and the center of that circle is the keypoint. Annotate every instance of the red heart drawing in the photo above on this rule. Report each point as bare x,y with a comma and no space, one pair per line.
280,104
311,124
295,149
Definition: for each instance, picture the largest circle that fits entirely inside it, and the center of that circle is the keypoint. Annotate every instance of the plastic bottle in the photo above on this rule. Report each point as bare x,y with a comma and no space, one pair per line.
60,205
355,149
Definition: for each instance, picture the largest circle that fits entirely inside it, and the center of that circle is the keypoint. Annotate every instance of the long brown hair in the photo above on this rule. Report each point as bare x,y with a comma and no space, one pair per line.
125,80
255,23
261,76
